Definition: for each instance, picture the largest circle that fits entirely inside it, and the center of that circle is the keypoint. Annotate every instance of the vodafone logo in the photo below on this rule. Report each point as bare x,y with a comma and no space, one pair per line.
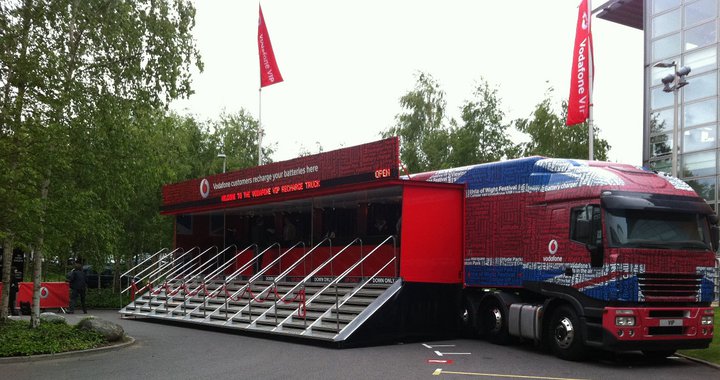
204,188
584,22
44,292
552,247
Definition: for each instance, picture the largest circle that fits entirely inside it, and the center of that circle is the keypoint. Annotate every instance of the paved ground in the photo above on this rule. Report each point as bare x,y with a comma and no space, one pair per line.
176,352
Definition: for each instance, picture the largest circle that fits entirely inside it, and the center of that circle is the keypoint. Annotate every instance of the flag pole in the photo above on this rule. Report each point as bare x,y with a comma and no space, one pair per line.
260,129
591,129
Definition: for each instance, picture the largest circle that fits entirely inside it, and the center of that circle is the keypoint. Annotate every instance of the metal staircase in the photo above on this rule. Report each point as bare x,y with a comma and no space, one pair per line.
300,300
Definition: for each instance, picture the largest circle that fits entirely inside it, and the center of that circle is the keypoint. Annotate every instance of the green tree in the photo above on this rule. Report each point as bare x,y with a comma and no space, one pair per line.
81,81
235,135
422,127
482,137
549,136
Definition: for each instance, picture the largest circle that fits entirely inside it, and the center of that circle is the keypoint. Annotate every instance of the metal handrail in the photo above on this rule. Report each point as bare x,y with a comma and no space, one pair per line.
198,271
252,278
310,276
161,267
261,272
347,271
181,271
219,270
143,262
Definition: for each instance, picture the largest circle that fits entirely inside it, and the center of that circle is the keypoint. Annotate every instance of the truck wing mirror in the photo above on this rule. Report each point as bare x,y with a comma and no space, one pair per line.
714,231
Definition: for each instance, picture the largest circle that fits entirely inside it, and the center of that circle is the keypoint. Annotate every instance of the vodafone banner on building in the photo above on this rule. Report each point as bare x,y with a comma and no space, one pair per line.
582,69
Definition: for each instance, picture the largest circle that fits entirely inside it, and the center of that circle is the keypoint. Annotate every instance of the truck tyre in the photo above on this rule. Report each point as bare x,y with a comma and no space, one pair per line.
565,334
492,322
654,355
468,318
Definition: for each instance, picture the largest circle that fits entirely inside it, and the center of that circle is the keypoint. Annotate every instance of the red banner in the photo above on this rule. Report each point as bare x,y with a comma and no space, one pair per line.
269,71
52,294
582,68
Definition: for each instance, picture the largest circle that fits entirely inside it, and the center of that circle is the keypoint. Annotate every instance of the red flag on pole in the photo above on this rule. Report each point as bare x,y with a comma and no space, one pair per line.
269,72
582,68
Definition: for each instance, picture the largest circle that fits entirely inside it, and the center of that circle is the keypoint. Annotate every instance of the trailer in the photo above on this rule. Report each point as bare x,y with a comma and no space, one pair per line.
345,248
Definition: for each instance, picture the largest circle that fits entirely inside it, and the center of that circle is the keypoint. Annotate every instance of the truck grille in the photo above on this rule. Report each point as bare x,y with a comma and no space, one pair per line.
669,287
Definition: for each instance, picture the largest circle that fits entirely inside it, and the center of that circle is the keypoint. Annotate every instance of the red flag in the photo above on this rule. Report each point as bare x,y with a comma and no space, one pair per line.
582,68
269,72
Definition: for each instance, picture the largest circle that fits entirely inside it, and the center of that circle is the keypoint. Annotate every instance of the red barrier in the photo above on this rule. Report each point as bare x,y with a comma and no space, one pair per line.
52,294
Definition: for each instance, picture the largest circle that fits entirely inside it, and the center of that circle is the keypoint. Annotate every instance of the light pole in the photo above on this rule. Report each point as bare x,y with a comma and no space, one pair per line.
673,83
224,157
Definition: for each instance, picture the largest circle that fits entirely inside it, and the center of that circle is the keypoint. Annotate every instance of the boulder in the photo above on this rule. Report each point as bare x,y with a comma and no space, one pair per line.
52,318
111,331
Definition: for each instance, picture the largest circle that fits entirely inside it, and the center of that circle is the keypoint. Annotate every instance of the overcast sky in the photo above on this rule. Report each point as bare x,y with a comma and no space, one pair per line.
347,63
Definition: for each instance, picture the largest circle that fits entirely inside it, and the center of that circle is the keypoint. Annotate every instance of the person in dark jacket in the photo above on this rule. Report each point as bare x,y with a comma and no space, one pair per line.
78,287
14,287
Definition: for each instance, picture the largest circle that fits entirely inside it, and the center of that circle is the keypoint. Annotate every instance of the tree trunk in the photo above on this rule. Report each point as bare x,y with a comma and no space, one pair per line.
37,267
6,265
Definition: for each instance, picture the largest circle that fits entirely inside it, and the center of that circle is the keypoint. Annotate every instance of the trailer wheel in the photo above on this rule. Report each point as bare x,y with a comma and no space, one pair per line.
493,322
654,355
565,334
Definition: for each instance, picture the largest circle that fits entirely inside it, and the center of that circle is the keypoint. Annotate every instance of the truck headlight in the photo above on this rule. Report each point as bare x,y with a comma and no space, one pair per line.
707,320
624,321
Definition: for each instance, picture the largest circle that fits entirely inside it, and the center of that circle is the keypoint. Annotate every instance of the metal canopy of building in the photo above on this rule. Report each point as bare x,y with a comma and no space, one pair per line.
624,12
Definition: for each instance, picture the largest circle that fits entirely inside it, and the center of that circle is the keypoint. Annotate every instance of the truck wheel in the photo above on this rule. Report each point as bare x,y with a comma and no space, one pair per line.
468,319
658,354
493,322
565,334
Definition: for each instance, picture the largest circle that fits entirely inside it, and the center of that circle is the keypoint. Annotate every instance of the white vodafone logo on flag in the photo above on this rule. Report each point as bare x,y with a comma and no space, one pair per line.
204,188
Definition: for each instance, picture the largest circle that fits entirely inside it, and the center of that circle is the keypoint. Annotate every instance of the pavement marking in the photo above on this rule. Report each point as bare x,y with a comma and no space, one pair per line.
438,353
440,371
438,345
440,361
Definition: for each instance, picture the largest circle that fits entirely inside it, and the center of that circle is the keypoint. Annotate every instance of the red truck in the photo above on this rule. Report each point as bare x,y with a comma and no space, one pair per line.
585,254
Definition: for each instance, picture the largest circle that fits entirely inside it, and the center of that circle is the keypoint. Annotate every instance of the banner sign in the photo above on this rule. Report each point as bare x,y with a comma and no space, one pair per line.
53,295
581,78
363,163
269,71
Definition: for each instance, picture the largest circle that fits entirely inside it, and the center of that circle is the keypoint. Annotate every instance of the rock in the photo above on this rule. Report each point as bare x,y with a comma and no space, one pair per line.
52,318
111,331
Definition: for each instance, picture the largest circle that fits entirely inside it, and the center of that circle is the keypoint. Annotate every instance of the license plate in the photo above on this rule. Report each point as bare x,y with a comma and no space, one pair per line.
671,322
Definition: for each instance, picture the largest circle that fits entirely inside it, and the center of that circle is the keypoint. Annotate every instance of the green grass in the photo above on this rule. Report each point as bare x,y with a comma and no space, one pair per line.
712,353
18,339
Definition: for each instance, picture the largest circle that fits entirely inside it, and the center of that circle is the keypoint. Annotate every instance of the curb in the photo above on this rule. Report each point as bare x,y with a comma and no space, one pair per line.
62,355
692,359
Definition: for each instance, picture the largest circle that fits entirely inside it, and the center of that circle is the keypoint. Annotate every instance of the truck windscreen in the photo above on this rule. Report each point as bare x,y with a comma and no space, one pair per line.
656,229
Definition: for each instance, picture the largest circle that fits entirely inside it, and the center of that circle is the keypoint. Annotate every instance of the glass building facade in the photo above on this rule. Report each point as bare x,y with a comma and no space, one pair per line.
684,32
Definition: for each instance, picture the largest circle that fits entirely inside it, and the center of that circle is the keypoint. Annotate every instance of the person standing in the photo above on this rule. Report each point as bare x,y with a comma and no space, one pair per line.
14,287
78,287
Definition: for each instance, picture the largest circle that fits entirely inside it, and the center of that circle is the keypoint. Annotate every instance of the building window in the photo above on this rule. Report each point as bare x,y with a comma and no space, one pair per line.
705,187
662,121
661,145
660,98
701,10
661,165
698,164
666,23
700,36
702,86
699,138
700,112
663,5
701,60
666,47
